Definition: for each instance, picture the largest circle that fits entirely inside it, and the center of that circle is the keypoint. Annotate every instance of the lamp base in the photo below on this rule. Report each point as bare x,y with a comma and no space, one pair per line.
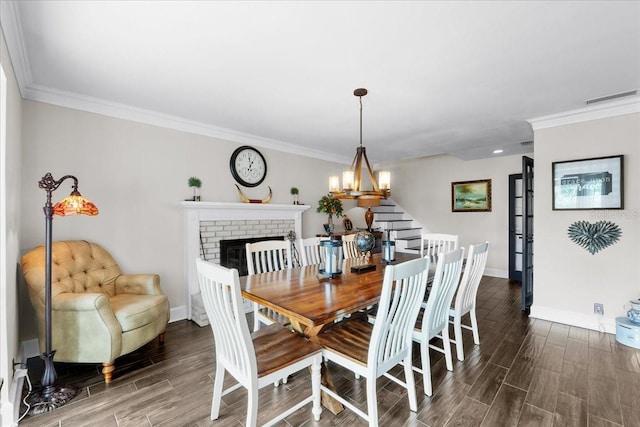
42,401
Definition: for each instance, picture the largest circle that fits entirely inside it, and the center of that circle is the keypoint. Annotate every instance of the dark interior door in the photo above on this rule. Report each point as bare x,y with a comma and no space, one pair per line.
527,229
515,227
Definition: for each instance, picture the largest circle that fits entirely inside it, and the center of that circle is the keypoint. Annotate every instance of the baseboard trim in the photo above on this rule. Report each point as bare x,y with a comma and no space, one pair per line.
177,313
496,272
587,321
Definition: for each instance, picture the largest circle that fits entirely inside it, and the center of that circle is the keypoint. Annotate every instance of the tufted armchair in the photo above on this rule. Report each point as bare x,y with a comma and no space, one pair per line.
98,313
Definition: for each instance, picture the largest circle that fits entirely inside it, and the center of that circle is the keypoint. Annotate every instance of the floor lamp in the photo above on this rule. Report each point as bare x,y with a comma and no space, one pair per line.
51,397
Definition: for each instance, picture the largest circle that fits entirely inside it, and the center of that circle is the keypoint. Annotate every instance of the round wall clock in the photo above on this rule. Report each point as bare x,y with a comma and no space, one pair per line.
248,166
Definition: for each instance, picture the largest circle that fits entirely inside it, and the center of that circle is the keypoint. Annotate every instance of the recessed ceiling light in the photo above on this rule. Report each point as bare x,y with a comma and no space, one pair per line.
497,151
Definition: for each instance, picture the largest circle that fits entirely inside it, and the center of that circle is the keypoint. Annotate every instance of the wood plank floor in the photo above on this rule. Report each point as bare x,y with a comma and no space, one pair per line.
526,372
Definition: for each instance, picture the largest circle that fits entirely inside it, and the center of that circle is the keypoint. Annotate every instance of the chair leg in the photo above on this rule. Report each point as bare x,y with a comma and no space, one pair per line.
161,337
426,368
411,383
446,344
252,409
107,371
315,386
372,401
474,326
217,392
457,328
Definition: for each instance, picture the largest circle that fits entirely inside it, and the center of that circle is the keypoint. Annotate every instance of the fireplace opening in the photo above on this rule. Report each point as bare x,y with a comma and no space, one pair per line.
233,252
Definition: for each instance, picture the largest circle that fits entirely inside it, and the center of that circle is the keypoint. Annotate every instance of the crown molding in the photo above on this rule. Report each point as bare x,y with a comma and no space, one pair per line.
10,26
594,112
122,111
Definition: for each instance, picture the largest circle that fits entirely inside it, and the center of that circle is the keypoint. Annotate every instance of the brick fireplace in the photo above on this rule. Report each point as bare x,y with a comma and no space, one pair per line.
206,224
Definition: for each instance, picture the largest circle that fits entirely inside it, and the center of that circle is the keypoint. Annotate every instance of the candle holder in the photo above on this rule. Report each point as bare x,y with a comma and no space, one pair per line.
331,251
388,249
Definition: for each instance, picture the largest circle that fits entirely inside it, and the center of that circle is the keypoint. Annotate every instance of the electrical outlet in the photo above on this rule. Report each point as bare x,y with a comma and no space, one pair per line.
598,309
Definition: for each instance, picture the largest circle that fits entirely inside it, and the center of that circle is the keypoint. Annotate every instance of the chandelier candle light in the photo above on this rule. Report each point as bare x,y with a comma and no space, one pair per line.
352,187
51,397
352,178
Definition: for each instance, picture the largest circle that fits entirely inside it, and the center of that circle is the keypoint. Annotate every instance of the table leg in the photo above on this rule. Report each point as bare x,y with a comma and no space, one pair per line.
328,402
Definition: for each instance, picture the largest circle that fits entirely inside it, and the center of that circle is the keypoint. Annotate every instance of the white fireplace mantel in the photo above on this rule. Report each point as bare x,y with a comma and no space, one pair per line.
196,212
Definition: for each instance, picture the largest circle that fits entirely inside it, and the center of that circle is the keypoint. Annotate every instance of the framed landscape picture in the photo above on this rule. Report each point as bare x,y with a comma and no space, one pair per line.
588,183
471,196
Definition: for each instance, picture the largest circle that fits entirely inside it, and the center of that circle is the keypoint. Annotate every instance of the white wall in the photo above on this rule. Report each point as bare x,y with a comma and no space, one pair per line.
136,174
423,188
568,280
9,233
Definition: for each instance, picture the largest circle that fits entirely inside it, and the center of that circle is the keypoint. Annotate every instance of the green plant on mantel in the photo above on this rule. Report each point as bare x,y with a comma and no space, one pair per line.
294,192
195,183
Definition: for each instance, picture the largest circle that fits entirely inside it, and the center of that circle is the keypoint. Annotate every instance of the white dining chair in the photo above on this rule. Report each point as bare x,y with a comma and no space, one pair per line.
435,314
372,350
465,300
310,251
349,248
254,361
264,257
433,243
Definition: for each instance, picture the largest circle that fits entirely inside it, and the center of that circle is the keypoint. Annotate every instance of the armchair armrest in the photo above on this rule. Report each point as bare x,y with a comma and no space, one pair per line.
86,328
139,284
80,302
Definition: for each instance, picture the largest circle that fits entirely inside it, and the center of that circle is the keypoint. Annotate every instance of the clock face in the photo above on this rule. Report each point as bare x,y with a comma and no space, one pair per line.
248,166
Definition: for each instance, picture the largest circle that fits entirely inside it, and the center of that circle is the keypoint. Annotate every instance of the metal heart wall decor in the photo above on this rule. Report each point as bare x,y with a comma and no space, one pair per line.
594,237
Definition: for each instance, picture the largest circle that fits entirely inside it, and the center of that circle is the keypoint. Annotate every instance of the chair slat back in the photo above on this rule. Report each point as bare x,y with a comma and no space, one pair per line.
310,251
445,283
268,255
473,271
436,243
222,300
349,248
403,291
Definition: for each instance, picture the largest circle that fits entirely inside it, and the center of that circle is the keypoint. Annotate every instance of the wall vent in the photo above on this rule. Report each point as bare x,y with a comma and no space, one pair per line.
610,97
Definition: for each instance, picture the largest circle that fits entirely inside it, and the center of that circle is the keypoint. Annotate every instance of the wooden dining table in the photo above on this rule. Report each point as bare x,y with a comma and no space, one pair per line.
311,300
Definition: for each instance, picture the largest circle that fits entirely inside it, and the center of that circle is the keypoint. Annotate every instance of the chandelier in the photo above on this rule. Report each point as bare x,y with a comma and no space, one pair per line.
352,178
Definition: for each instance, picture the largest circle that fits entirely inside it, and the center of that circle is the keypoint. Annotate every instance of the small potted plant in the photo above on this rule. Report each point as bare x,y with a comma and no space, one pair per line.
195,183
294,193
330,206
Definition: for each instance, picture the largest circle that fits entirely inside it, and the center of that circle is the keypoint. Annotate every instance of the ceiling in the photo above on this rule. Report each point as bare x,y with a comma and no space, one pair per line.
443,77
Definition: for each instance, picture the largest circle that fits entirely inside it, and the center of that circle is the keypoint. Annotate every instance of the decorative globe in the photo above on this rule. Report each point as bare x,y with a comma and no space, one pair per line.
365,241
